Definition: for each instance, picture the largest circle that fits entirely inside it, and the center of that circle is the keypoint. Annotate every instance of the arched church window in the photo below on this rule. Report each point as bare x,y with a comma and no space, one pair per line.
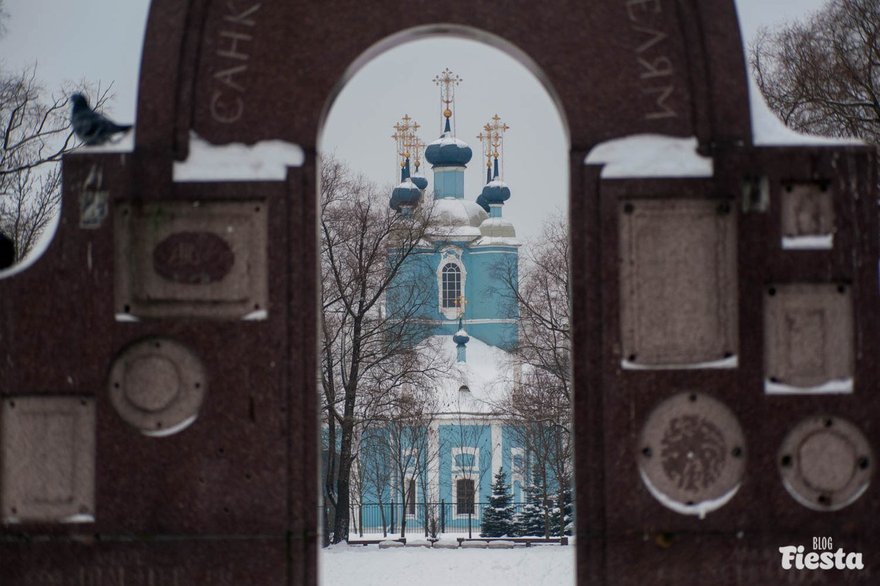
451,285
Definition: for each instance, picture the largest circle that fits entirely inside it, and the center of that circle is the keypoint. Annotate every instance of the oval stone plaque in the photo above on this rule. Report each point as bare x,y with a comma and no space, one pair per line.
692,453
825,463
157,385
193,258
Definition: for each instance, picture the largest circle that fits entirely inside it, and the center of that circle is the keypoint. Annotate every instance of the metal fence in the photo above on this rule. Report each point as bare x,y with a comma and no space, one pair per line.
371,520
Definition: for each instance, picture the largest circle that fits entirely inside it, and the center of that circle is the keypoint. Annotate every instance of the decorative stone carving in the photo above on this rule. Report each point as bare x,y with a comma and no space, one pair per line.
807,216
825,463
692,453
48,459
678,282
157,385
808,338
191,258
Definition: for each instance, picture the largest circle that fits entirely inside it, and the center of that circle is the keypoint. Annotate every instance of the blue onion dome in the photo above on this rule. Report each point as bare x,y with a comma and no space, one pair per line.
461,337
448,151
405,194
495,192
419,180
481,201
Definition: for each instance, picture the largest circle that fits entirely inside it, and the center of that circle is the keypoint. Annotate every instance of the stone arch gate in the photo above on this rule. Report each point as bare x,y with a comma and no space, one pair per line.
725,313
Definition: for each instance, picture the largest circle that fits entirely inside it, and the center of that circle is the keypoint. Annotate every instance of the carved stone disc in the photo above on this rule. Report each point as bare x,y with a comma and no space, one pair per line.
692,453
157,385
825,463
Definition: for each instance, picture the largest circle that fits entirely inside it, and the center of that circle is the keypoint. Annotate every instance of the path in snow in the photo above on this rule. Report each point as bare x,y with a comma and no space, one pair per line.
546,565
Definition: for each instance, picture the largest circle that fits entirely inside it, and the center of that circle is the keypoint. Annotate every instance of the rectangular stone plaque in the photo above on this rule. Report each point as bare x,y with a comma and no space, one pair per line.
191,259
807,216
808,338
48,453
678,283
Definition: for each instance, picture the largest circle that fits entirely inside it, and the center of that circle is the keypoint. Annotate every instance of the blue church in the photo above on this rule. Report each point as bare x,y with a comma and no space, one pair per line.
441,471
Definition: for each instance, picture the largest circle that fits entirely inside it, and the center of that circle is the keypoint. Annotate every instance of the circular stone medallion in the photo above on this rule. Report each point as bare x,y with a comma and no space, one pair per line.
692,453
825,463
157,385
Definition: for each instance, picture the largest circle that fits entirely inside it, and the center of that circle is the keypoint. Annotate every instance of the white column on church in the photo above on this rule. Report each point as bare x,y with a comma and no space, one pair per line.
433,480
496,449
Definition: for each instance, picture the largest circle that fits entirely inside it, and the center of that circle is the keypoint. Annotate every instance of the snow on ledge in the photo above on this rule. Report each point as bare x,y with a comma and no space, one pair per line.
833,387
730,362
257,315
650,155
824,242
265,161
171,430
699,509
79,518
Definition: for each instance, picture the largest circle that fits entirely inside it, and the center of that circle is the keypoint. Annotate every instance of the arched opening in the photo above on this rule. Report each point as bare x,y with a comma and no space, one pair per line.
492,212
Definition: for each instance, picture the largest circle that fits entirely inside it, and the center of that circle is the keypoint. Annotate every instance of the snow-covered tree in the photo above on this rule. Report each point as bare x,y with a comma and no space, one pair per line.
532,520
563,522
498,516
539,407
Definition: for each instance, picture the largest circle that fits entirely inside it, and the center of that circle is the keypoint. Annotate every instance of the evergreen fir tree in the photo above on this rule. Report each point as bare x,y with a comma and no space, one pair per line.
565,513
498,516
531,521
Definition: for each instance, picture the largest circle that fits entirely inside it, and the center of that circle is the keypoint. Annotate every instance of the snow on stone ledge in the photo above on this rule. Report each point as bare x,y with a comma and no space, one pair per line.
265,161
832,387
699,509
729,362
650,155
823,242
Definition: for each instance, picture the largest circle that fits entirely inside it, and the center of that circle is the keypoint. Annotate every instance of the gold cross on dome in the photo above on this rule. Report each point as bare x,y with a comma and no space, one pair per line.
447,80
406,137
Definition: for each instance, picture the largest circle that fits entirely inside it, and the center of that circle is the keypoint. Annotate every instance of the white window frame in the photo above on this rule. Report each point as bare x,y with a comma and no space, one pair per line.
450,255
516,472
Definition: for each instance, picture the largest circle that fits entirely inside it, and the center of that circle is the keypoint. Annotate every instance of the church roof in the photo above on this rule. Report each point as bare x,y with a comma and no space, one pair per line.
458,217
498,228
488,375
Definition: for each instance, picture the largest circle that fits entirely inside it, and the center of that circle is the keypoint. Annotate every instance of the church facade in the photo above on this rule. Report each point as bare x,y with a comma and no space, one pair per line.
441,467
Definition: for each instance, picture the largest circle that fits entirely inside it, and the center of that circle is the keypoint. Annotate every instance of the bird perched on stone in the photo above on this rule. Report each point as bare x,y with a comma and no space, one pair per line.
7,251
91,127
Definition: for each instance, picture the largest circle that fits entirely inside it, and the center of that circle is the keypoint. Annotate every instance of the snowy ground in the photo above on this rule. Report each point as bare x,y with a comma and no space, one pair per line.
545,565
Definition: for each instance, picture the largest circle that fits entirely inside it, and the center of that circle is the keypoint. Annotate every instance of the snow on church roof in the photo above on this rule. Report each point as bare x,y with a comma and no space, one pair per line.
487,373
458,217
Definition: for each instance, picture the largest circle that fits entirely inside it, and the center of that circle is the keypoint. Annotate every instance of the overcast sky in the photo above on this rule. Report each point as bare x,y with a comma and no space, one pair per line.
100,41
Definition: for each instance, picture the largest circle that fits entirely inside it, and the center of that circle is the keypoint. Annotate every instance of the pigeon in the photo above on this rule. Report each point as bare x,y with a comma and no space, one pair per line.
7,252
91,127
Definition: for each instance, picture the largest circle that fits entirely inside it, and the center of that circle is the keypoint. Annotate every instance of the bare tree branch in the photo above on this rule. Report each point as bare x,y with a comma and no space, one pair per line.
822,75
35,133
370,360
